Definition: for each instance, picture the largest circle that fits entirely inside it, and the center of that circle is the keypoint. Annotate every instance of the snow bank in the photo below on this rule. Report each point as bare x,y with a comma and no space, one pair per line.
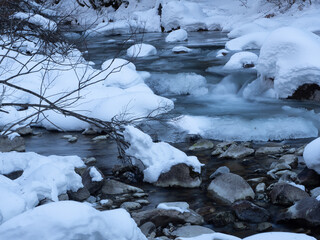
247,42
71,220
311,155
177,36
240,129
37,20
279,236
43,177
241,60
141,50
180,84
157,158
288,59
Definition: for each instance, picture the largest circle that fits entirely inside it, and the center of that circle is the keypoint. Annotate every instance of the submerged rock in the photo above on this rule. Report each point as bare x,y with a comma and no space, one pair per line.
228,188
180,175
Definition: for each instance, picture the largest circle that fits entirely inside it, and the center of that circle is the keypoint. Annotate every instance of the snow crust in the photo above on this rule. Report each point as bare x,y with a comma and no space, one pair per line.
240,60
71,220
288,59
177,206
311,155
177,36
158,157
141,50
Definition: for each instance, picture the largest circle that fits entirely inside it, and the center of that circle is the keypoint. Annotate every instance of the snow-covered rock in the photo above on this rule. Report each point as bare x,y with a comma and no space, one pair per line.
37,20
157,158
311,155
247,42
141,50
181,49
177,36
71,220
241,60
178,206
289,58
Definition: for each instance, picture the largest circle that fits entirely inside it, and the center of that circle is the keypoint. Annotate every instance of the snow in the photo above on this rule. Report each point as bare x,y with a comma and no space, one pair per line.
288,59
226,128
177,36
279,236
43,177
37,19
141,50
71,220
241,60
95,175
311,155
158,157
247,42
181,49
179,84
177,206
211,236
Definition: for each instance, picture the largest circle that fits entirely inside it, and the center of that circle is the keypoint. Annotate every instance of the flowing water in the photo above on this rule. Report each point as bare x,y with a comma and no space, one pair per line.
217,103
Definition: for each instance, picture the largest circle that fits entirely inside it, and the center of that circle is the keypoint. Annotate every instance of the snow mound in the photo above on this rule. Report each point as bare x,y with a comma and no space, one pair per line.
43,177
141,50
289,58
177,36
157,158
181,49
177,206
186,15
180,84
37,20
247,42
241,60
240,129
71,220
311,155
279,236
211,236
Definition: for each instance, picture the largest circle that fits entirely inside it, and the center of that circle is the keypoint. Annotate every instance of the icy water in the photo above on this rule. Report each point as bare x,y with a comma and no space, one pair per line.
218,105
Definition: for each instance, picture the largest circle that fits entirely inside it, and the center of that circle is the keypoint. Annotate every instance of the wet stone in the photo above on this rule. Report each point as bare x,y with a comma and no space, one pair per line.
222,218
265,226
201,145
219,171
236,151
130,206
247,211
80,195
269,150
240,226
191,231
309,178
286,194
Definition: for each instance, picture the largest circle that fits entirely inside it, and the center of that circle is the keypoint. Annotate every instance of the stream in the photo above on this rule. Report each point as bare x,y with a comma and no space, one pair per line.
218,101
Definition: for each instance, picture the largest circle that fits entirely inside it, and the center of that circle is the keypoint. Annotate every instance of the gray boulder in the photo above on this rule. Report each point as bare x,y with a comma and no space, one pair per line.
191,231
201,145
228,188
113,187
269,150
8,144
286,194
236,151
180,175
90,182
80,195
247,211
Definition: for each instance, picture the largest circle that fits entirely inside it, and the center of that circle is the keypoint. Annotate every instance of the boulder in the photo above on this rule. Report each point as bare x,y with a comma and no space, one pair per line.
305,211
286,194
269,150
180,175
129,206
191,231
80,195
249,212
228,188
290,159
309,178
24,131
113,187
219,171
92,179
222,218
8,144
201,145
148,229
161,217
236,151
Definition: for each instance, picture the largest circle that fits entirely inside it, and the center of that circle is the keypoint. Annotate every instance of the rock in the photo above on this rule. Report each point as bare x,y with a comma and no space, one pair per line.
180,175
305,211
222,218
100,138
24,131
290,159
14,175
89,131
228,188
45,201
307,92
72,139
128,173
140,195
181,49
219,171
249,212
299,151
142,201
8,144
264,226
91,179
80,195
217,151
129,206
261,188
90,161
191,231
237,151
201,145
309,178
315,192
269,150
106,203
240,226
91,199
286,194
148,229
161,217
63,197
113,187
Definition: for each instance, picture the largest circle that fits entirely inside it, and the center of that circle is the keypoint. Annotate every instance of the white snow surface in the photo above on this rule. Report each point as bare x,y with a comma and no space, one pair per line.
179,49
158,157
240,59
71,220
36,19
290,57
211,236
177,206
177,36
247,42
311,155
95,175
141,50
43,177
